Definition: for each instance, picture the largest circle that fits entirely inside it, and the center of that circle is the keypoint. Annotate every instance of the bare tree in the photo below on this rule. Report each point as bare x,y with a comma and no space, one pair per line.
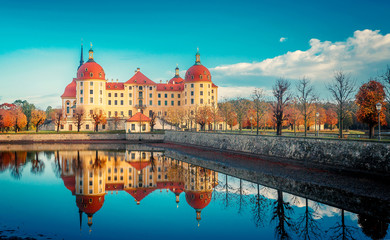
214,110
282,95
98,117
240,107
386,82
79,116
152,121
342,89
225,108
306,100
57,117
116,119
258,102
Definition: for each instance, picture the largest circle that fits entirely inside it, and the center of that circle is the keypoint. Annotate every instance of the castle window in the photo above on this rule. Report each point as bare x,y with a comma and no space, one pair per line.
185,101
212,91
201,101
201,93
178,103
81,84
116,94
121,94
91,74
159,102
200,76
86,69
82,74
91,84
150,88
150,95
192,85
130,102
109,113
91,100
150,102
109,102
209,93
172,95
130,88
159,95
166,103
140,87
90,91
165,95
81,100
130,113
100,75
201,85
178,95
172,103
109,94
87,126
192,101
101,92
192,93
208,77
121,102
192,77
115,102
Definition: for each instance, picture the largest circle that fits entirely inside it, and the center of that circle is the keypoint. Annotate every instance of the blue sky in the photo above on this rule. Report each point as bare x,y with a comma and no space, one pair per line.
240,42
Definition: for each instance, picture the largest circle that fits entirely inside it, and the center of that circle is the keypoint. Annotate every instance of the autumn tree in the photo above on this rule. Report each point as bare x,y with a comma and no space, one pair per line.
331,117
57,117
27,109
306,99
98,117
341,89
293,115
6,120
203,116
368,96
18,119
281,92
232,120
152,121
79,116
38,117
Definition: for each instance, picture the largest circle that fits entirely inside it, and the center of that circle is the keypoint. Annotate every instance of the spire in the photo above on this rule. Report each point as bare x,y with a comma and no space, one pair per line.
90,58
197,61
177,71
81,55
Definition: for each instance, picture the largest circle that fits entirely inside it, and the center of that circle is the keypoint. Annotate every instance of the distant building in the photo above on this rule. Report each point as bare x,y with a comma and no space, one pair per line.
91,91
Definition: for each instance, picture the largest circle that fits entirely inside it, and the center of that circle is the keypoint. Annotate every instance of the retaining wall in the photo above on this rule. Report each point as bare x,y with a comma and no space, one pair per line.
370,157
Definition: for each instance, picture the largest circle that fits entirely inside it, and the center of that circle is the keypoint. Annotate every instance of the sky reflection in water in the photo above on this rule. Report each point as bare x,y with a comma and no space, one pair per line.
143,194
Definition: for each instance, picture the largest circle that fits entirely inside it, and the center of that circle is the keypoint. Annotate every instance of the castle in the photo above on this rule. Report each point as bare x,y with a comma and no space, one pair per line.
92,92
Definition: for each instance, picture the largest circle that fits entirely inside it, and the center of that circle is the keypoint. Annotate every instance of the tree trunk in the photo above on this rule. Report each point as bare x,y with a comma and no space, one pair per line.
279,129
371,131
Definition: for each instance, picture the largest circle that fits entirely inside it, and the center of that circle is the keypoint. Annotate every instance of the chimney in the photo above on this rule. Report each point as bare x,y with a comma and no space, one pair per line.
137,70
112,80
167,81
160,81
117,80
173,82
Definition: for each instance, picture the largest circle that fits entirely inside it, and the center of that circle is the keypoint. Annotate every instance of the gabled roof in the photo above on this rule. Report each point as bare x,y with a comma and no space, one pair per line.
138,117
214,86
115,86
170,87
141,79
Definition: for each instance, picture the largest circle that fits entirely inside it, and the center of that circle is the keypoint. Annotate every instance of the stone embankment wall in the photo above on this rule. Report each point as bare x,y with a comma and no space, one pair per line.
372,157
14,138
145,137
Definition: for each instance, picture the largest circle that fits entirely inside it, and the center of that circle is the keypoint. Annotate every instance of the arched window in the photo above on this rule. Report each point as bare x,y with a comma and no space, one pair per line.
86,69
91,74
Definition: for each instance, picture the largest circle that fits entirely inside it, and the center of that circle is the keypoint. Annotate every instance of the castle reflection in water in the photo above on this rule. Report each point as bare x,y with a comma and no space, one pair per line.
90,175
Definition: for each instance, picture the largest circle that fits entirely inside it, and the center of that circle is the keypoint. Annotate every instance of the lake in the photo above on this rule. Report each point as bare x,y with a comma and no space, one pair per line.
125,191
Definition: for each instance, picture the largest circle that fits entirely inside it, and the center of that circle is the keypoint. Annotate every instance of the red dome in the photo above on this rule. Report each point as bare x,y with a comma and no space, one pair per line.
198,73
70,183
89,204
91,70
70,90
198,200
176,79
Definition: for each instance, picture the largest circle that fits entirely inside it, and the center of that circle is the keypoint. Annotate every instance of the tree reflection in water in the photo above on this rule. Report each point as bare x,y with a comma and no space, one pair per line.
281,215
307,225
341,230
37,165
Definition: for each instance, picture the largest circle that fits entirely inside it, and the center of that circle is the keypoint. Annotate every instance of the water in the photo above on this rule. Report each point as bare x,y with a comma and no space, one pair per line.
147,192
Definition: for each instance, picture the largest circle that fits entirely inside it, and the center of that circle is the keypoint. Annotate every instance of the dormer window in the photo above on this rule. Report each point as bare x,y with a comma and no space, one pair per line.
204,72
86,69
208,77
91,74
130,88
200,76
82,75
100,75
192,77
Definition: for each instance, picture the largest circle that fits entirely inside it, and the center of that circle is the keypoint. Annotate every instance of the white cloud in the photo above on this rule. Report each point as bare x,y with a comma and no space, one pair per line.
282,39
234,92
358,54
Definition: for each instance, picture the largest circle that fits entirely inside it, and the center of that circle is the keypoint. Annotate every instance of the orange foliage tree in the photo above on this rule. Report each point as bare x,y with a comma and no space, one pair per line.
38,117
368,96
6,119
331,118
